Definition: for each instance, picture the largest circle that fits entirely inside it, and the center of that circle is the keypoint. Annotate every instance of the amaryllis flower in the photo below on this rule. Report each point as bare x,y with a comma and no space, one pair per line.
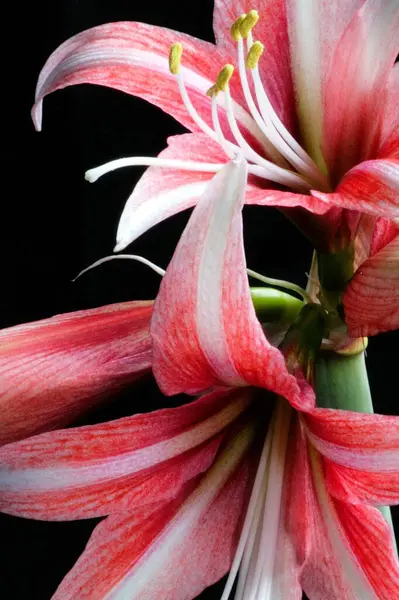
53,370
308,94
236,479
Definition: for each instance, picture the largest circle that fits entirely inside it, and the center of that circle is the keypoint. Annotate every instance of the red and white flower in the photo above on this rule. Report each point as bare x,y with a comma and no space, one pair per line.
316,117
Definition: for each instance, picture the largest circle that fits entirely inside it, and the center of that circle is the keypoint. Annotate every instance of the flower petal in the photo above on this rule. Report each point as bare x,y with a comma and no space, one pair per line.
371,300
198,341
371,187
361,67
314,31
177,551
271,30
357,440
390,123
94,470
370,540
134,58
163,192
53,370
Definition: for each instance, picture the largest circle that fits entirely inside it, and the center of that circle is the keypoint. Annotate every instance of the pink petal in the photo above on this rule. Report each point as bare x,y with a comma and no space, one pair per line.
361,454
355,486
346,551
371,187
175,552
370,540
198,342
357,440
371,300
314,31
271,30
163,192
94,470
53,370
134,58
390,123
359,70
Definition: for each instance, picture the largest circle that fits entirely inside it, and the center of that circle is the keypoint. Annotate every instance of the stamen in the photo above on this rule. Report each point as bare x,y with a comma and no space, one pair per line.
147,161
222,80
175,55
254,504
270,147
260,583
249,23
235,28
254,54
293,151
213,91
136,257
216,125
274,172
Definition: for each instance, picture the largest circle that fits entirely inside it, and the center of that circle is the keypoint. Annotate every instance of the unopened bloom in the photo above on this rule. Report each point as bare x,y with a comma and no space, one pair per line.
176,483
308,94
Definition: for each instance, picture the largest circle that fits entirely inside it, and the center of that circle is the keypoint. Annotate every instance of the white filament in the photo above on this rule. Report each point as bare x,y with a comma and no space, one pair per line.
136,161
135,257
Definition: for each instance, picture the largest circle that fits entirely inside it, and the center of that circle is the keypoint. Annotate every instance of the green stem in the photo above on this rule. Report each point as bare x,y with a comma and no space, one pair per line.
342,383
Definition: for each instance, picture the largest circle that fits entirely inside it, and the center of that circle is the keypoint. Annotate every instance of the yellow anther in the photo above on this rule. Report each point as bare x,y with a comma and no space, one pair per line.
175,57
235,28
249,23
224,77
213,91
254,55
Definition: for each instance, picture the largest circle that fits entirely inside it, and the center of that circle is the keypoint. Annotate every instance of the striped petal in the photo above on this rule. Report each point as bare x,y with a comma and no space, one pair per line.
358,78
134,58
174,552
197,339
315,28
361,454
163,192
334,560
371,187
371,300
351,554
391,114
94,470
53,370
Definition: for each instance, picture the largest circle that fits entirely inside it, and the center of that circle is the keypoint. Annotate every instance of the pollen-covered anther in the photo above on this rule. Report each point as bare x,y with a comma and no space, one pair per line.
175,55
249,23
254,55
235,28
224,77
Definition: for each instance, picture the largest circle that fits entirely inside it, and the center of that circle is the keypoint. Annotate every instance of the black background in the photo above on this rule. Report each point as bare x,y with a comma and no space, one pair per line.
54,224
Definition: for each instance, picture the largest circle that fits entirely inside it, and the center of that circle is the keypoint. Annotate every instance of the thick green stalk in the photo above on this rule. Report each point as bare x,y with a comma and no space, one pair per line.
341,382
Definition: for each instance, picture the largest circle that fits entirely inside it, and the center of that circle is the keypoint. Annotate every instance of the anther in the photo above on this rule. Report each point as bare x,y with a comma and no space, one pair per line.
213,91
254,54
249,23
175,54
224,77
236,27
